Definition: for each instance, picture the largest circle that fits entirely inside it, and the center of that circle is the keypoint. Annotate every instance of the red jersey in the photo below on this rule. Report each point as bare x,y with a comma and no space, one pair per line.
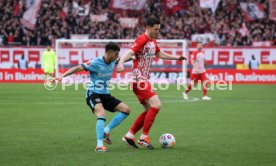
145,49
199,61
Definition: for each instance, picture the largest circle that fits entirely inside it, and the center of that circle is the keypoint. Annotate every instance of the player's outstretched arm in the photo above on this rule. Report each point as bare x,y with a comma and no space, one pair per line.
123,59
71,71
167,56
130,59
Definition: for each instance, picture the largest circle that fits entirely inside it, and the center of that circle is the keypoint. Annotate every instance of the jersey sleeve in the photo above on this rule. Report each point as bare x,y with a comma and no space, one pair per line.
138,44
157,49
90,66
193,55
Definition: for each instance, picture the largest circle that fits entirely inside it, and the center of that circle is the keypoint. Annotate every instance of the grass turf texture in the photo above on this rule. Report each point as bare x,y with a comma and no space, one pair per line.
41,127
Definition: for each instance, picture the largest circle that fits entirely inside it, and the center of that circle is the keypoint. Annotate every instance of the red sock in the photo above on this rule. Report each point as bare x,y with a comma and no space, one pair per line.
138,124
189,88
149,119
205,85
204,91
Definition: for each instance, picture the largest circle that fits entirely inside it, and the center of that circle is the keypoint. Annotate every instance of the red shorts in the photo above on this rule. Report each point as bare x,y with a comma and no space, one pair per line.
143,91
197,77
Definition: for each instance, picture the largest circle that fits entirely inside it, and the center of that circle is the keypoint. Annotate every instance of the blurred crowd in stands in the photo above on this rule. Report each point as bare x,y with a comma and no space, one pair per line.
60,19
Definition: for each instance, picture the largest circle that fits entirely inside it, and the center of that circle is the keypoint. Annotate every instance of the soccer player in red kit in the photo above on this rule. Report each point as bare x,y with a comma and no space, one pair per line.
144,49
198,72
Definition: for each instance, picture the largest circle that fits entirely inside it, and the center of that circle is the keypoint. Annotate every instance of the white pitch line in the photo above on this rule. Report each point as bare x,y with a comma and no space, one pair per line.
163,100
72,103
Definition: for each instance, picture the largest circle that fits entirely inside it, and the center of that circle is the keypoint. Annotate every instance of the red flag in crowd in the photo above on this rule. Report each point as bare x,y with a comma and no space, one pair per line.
243,30
172,6
29,17
133,5
272,9
252,11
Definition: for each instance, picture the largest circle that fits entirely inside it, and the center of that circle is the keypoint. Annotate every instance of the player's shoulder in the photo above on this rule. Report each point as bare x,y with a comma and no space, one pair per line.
140,41
201,52
100,58
93,61
196,52
97,61
142,38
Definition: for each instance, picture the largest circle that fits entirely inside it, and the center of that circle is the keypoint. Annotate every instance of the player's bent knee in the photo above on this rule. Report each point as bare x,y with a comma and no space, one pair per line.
122,107
99,110
156,105
99,113
126,109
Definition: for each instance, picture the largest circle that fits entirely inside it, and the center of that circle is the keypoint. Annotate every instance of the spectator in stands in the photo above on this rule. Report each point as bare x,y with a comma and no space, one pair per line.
22,63
253,63
10,38
60,19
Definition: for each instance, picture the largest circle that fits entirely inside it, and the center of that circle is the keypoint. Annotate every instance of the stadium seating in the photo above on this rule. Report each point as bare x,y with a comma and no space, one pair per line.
60,19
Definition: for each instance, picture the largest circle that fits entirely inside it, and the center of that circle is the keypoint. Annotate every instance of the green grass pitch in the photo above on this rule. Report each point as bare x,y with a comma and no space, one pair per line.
41,127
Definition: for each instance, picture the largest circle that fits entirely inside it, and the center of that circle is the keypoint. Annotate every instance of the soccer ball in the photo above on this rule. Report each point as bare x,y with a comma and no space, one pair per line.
167,140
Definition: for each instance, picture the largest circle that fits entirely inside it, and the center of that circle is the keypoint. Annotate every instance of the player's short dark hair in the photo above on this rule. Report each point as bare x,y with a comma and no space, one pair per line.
151,21
112,46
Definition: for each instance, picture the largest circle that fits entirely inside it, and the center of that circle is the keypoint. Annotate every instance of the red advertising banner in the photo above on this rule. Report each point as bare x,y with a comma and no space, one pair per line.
222,62
73,56
226,75
243,76
17,75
